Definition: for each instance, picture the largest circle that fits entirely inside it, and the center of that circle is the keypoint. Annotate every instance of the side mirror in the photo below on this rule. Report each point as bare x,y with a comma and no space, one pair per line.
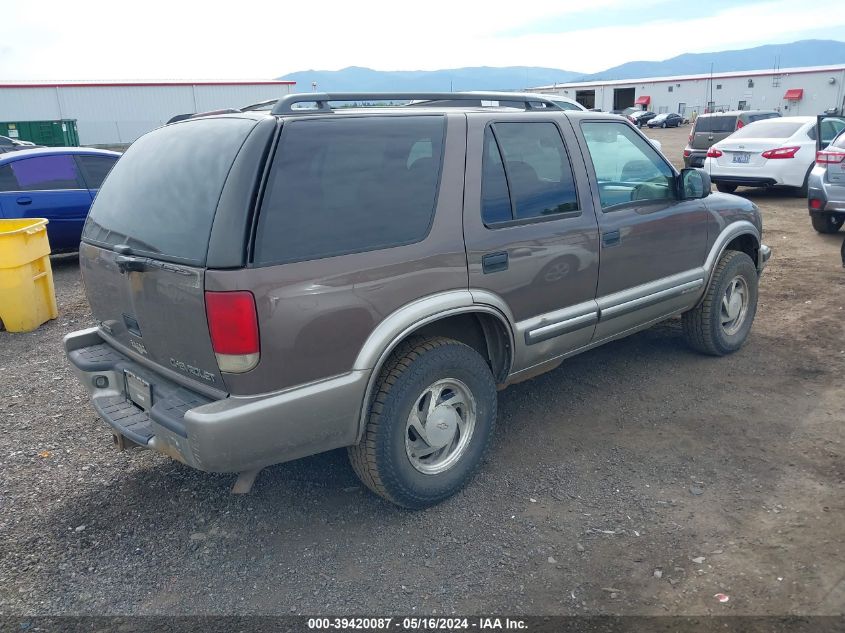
694,184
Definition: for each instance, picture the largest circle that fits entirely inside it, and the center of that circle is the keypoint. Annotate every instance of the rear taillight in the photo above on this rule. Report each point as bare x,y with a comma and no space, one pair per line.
827,157
781,152
233,325
739,124
714,153
689,139
687,153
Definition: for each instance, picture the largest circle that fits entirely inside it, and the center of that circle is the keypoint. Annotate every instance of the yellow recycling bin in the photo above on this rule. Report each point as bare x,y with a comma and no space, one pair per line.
27,296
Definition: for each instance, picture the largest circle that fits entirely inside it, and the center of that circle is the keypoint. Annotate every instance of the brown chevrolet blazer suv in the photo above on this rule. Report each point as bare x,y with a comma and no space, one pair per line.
270,285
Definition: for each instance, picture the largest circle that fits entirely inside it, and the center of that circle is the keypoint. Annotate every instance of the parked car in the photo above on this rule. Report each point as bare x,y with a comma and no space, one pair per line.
57,183
770,153
712,128
400,266
826,185
626,111
13,145
667,119
641,117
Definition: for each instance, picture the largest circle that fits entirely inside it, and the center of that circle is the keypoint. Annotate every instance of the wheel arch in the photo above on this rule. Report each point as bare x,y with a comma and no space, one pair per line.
454,315
740,236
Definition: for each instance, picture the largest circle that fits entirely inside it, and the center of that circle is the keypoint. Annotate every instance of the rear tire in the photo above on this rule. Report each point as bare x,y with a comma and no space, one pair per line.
826,222
725,188
432,392
720,324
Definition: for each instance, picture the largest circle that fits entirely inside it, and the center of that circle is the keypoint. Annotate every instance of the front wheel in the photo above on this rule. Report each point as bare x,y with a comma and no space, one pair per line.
663,125
720,324
827,222
724,188
430,423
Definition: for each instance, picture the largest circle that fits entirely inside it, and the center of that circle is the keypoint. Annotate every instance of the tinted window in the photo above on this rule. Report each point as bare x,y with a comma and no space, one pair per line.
830,128
95,168
350,185
768,129
161,196
495,197
627,167
539,174
717,124
7,179
45,173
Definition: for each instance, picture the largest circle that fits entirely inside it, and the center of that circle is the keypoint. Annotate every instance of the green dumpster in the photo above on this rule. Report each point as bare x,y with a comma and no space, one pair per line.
60,133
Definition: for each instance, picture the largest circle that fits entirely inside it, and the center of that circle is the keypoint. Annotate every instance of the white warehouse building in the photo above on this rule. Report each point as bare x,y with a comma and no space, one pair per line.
117,112
791,91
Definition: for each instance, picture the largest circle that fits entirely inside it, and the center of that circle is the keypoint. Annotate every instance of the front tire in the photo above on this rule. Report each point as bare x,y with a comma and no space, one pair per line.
720,324
826,222
725,188
430,423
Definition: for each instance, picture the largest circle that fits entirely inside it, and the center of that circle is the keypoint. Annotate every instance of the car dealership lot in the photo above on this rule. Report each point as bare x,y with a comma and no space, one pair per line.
636,478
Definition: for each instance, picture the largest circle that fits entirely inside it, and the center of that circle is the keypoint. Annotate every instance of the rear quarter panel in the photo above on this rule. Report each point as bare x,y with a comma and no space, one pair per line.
314,316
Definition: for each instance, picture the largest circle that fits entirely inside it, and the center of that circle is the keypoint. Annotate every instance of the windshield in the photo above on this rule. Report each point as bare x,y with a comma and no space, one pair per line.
768,129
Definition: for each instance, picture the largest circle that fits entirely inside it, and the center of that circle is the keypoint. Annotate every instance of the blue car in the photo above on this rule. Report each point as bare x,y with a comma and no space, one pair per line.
57,183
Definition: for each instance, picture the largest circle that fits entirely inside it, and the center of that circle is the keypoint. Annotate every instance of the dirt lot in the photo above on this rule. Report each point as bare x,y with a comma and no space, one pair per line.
637,478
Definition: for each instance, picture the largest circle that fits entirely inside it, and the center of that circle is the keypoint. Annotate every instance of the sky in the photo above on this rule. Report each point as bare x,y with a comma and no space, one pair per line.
156,39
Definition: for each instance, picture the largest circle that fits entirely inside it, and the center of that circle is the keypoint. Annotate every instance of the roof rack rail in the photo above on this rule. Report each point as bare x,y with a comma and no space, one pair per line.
285,104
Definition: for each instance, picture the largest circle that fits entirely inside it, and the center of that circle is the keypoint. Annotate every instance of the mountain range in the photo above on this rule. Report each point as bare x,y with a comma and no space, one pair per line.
357,79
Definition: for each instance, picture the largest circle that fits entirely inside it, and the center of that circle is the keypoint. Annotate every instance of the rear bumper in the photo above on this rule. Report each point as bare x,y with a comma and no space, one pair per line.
830,195
744,181
696,158
233,434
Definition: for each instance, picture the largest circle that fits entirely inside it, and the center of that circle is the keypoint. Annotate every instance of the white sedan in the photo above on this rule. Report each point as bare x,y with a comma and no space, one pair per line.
767,153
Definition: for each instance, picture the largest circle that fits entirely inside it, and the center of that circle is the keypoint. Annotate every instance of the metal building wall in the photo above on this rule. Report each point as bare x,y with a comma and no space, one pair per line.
766,93
120,114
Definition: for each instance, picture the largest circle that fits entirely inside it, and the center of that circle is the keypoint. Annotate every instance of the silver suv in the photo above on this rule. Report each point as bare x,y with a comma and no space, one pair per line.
269,285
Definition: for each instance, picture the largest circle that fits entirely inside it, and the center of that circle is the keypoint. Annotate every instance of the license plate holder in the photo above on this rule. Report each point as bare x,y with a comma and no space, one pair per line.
742,157
139,391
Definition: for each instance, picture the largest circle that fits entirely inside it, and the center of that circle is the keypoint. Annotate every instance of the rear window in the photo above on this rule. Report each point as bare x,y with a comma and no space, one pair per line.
348,186
768,129
161,196
715,124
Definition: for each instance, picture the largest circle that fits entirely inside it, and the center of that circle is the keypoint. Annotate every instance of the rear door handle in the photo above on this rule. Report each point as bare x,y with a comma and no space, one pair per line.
24,200
494,262
611,238
129,264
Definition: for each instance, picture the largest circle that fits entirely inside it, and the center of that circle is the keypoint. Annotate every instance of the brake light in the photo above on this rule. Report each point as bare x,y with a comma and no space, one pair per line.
714,153
233,326
689,138
827,157
739,124
781,152
687,153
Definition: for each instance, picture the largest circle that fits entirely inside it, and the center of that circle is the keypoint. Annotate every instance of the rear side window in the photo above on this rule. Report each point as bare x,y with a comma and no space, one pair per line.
44,173
95,168
538,180
348,186
715,124
161,196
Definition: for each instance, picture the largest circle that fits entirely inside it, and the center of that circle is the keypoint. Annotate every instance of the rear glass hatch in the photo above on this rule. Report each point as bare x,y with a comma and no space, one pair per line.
146,242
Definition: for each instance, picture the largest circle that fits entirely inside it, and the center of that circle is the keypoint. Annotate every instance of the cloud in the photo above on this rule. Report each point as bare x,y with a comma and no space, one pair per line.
159,39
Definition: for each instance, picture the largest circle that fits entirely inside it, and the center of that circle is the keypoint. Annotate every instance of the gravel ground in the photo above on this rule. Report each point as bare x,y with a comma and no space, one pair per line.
639,478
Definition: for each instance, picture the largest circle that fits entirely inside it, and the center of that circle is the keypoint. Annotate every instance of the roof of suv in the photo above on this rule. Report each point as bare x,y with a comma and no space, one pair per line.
736,113
289,105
